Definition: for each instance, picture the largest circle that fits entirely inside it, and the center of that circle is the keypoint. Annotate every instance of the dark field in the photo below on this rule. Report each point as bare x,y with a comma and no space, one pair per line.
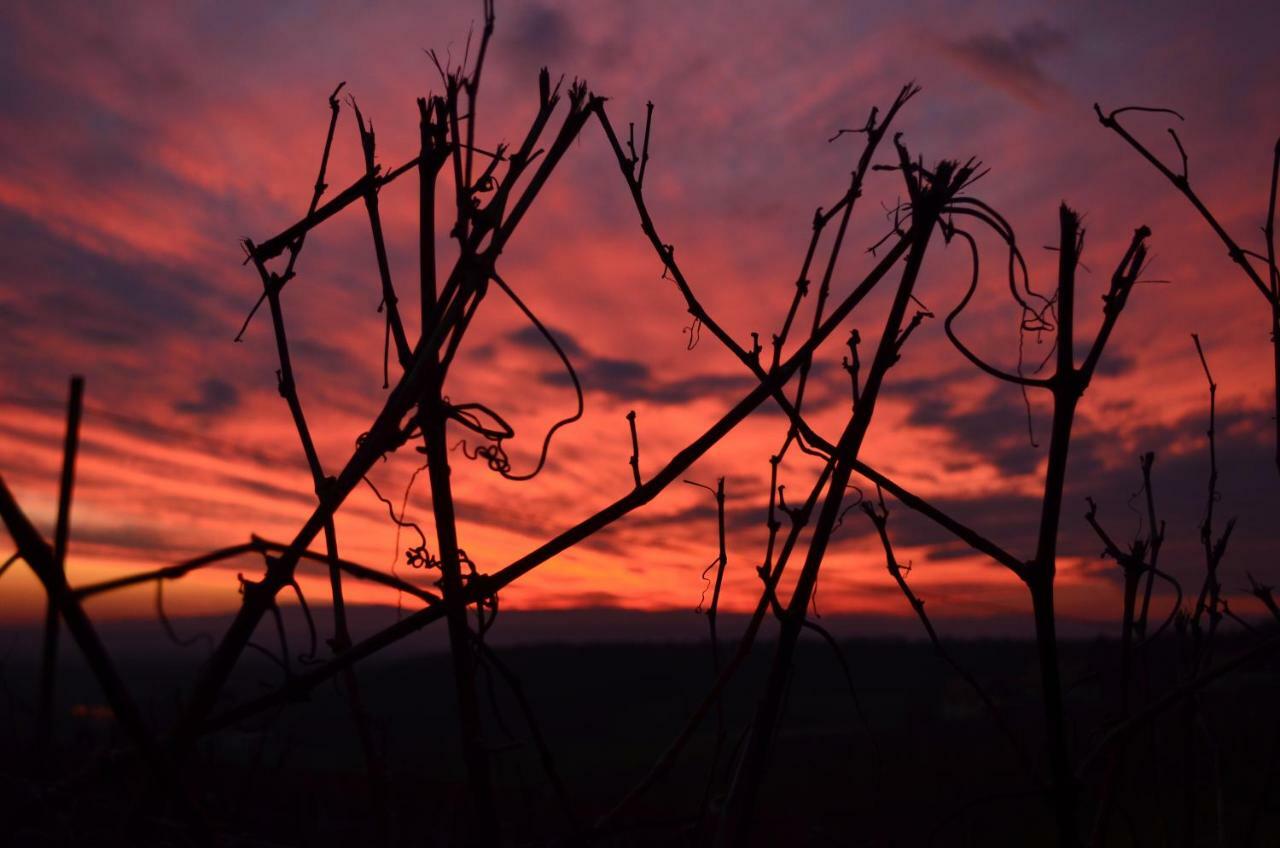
914,759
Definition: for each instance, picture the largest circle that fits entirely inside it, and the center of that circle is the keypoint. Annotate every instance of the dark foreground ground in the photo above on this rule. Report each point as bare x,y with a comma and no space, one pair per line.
915,760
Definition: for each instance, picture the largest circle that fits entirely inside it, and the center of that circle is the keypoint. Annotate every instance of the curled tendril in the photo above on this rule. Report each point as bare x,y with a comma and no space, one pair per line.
486,613
472,415
494,455
420,557
470,566
706,585
310,656
417,556
859,499
168,625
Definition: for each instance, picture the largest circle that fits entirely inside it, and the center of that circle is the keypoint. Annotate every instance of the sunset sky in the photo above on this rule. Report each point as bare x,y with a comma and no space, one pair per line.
140,143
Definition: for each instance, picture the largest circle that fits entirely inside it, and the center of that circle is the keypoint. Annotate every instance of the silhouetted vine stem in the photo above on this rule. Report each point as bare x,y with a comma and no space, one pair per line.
1133,564
37,553
390,302
289,391
719,563
667,253
1066,387
486,585
927,203
1208,600
1267,282
875,131
387,431
49,647
1155,540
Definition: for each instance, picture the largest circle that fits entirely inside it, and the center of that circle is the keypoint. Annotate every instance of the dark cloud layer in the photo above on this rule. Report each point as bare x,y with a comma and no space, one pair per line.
1013,61
214,397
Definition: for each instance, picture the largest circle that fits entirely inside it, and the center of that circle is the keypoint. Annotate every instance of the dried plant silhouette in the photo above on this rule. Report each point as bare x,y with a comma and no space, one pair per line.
1085,784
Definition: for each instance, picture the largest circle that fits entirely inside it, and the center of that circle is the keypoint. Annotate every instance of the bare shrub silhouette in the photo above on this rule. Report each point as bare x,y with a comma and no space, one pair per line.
494,189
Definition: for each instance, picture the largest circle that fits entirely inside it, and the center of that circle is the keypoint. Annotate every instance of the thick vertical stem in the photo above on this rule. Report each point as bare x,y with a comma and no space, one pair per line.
482,822
722,559
71,446
1273,278
426,217
1063,780
1275,356
1156,536
351,686
1132,575
1207,602
1040,579
49,654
